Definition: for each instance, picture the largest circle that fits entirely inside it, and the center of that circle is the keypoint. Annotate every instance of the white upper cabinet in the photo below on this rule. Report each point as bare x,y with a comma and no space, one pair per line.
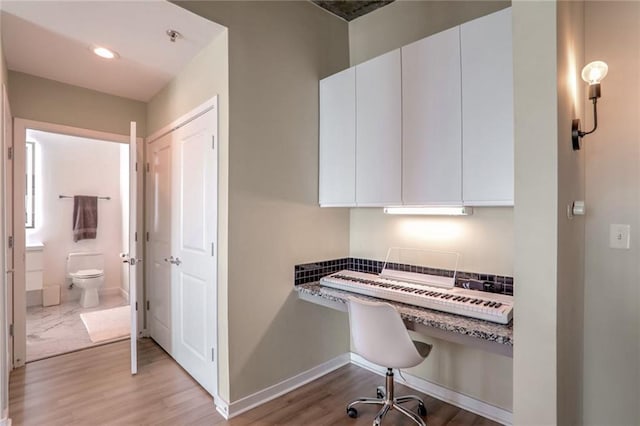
432,121
487,110
432,125
378,131
337,182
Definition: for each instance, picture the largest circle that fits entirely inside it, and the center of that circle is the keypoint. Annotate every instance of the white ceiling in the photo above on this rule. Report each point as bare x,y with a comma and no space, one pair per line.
51,39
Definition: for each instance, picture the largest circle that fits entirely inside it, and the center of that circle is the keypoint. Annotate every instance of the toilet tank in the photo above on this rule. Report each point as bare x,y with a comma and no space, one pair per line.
85,260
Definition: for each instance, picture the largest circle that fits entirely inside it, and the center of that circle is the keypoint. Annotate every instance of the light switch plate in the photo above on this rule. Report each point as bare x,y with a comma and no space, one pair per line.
619,236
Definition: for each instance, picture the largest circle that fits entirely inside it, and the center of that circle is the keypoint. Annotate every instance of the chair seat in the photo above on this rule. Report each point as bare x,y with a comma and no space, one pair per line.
380,336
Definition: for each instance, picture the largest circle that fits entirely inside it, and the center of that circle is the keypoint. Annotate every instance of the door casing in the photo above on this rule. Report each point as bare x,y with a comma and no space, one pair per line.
20,127
176,124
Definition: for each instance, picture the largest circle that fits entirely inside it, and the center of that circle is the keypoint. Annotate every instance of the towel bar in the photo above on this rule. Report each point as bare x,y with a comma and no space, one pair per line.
100,198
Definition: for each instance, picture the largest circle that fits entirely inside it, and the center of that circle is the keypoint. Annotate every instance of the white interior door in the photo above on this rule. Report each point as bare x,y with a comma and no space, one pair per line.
133,260
159,241
193,231
6,251
8,211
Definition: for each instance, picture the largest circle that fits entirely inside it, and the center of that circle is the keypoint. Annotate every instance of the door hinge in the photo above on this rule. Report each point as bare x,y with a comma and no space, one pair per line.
147,236
136,306
213,141
213,355
148,306
11,330
10,153
213,250
136,166
10,242
147,167
135,236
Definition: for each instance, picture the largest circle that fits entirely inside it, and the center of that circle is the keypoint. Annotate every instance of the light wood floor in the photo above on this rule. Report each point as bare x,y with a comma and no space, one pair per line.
94,387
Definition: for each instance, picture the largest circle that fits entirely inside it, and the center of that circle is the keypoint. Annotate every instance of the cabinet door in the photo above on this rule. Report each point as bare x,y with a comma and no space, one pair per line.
487,110
378,131
337,182
431,120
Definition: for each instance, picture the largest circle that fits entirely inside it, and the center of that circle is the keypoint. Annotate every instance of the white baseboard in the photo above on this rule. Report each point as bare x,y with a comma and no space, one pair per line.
5,420
124,293
229,410
465,402
222,406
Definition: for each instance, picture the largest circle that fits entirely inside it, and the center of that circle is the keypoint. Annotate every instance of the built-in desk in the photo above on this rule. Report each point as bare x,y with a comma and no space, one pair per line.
484,335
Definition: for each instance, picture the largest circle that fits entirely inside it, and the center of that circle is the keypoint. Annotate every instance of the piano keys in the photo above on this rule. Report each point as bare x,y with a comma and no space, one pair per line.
492,307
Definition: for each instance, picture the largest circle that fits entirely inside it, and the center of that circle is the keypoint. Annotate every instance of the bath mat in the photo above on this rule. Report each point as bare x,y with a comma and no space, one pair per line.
107,324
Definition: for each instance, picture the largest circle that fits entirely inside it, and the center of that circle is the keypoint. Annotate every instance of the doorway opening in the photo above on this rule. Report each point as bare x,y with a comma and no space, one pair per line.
76,196
76,227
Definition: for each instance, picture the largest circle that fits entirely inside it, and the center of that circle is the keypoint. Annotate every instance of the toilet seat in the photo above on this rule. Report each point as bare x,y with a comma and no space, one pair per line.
87,273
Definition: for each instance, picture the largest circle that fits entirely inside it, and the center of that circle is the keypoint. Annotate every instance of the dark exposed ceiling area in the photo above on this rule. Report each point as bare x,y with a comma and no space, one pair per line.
351,9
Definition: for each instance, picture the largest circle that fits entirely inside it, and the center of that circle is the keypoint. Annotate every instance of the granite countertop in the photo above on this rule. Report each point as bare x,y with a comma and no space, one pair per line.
485,330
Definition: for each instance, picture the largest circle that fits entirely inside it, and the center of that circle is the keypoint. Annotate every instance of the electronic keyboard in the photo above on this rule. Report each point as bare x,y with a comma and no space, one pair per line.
482,305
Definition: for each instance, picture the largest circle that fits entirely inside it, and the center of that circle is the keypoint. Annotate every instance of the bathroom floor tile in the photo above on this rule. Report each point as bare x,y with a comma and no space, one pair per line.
55,330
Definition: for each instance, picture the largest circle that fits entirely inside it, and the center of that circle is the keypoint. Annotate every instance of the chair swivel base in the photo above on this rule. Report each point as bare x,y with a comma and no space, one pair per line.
389,402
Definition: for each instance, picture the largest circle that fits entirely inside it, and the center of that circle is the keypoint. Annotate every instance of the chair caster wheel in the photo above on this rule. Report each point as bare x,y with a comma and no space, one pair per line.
352,412
379,394
422,410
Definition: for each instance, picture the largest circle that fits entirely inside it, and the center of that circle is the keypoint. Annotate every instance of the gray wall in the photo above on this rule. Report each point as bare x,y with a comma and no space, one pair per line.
571,235
535,212
549,265
277,53
206,76
612,293
39,99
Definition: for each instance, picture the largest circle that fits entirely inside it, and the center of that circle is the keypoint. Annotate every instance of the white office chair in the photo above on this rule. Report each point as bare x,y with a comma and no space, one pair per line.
379,336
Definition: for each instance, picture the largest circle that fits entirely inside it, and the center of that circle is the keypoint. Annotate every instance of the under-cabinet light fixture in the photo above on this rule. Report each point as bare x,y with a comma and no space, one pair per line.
432,211
592,73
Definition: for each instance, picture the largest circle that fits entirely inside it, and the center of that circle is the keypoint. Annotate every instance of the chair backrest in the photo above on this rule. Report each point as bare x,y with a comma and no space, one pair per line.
379,335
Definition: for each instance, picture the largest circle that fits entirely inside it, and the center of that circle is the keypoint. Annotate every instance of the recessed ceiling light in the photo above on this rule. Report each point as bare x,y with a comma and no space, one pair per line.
103,52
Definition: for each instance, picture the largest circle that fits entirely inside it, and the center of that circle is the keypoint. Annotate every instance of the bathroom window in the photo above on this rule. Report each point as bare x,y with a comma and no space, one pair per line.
30,156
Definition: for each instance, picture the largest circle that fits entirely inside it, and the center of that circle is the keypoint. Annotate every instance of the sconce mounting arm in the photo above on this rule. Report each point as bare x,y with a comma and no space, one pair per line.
577,134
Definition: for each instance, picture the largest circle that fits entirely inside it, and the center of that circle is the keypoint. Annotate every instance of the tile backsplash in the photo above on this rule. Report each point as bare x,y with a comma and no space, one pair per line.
310,272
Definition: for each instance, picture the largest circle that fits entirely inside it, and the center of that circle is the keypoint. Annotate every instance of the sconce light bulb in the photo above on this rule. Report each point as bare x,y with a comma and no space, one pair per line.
594,72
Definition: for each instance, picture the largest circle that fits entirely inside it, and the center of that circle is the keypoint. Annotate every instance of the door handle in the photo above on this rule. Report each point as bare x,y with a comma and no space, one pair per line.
174,261
132,261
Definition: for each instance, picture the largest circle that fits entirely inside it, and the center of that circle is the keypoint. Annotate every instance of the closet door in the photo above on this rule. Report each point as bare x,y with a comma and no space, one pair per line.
159,244
193,236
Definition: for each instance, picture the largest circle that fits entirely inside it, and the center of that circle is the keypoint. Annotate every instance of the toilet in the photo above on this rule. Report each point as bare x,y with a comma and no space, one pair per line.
86,271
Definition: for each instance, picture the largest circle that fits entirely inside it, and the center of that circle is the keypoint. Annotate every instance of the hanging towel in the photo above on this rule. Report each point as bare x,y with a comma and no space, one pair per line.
85,217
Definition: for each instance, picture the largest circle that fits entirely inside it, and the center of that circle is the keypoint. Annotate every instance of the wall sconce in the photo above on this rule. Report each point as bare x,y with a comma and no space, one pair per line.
592,73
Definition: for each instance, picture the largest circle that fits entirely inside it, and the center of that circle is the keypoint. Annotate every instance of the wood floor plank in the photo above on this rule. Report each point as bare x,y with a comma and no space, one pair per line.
94,387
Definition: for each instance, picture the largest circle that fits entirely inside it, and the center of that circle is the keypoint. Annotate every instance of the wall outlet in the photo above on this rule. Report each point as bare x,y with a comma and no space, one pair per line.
619,236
